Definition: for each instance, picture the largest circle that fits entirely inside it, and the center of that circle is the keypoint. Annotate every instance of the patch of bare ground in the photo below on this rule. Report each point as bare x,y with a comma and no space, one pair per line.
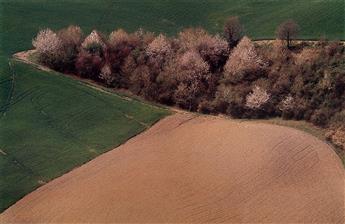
25,55
3,153
190,168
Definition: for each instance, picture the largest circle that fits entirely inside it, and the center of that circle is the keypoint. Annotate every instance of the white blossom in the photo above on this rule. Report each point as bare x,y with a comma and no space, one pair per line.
287,103
47,42
93,38
160,46
244,56
106,74
200,40
307,56
194,64
118,36
257,98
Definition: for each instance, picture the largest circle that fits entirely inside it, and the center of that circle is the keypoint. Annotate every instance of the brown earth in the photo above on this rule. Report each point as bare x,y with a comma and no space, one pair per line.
24,57
190,168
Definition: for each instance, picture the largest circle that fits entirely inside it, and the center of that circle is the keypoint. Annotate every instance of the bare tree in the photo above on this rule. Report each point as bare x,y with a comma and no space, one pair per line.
233,31
71,36
193,73
287,31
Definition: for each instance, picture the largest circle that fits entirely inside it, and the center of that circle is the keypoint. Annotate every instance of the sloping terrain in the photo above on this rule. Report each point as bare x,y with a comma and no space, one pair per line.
43,136
22,19
50,123
189,168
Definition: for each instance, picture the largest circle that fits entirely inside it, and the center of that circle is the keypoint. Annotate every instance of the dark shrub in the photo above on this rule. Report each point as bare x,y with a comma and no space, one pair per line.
71,39
206,107
89,65
320,117
233,31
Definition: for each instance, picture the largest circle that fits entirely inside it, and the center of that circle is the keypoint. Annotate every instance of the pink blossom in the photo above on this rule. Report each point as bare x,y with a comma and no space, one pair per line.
106,74
47,42
243,57
160,46
93,38
307,56
118,36
257,98
192,63
200,40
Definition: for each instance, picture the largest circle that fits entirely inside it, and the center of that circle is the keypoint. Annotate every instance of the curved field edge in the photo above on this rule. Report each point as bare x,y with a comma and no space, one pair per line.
200,165
30,57
50,124
305,127
20,20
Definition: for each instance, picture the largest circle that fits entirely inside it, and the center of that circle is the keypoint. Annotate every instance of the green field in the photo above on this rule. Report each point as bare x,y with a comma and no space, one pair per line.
21,19
50,123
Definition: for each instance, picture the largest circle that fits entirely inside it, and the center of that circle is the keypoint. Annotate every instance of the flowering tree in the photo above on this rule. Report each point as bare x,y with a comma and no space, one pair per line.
71,36
192,62
94,43
159,47
47,42
244,58
189,38
121,45
118,37
49,48
307,56
159,51
212,45
213,49
337,136
141,82
192,75
145,37
106,75
279,53
257,98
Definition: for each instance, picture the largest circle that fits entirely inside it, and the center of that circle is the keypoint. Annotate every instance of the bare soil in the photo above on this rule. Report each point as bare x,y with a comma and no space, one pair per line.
190,168
24,56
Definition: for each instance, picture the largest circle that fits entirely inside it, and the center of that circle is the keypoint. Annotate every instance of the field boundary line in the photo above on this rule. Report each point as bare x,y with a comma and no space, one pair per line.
89,83
10,95
23,57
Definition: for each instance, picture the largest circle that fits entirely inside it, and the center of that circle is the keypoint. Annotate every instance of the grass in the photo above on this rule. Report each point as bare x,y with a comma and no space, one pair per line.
50,124
21,19
300,125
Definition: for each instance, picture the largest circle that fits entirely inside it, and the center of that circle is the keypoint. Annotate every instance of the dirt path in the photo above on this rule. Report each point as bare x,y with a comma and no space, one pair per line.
190,168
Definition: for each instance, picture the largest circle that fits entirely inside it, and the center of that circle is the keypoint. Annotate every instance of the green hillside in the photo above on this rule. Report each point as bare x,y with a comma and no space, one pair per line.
50,123
21,19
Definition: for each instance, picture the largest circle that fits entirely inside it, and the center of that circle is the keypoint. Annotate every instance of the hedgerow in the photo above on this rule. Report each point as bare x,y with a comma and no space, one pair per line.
210,73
